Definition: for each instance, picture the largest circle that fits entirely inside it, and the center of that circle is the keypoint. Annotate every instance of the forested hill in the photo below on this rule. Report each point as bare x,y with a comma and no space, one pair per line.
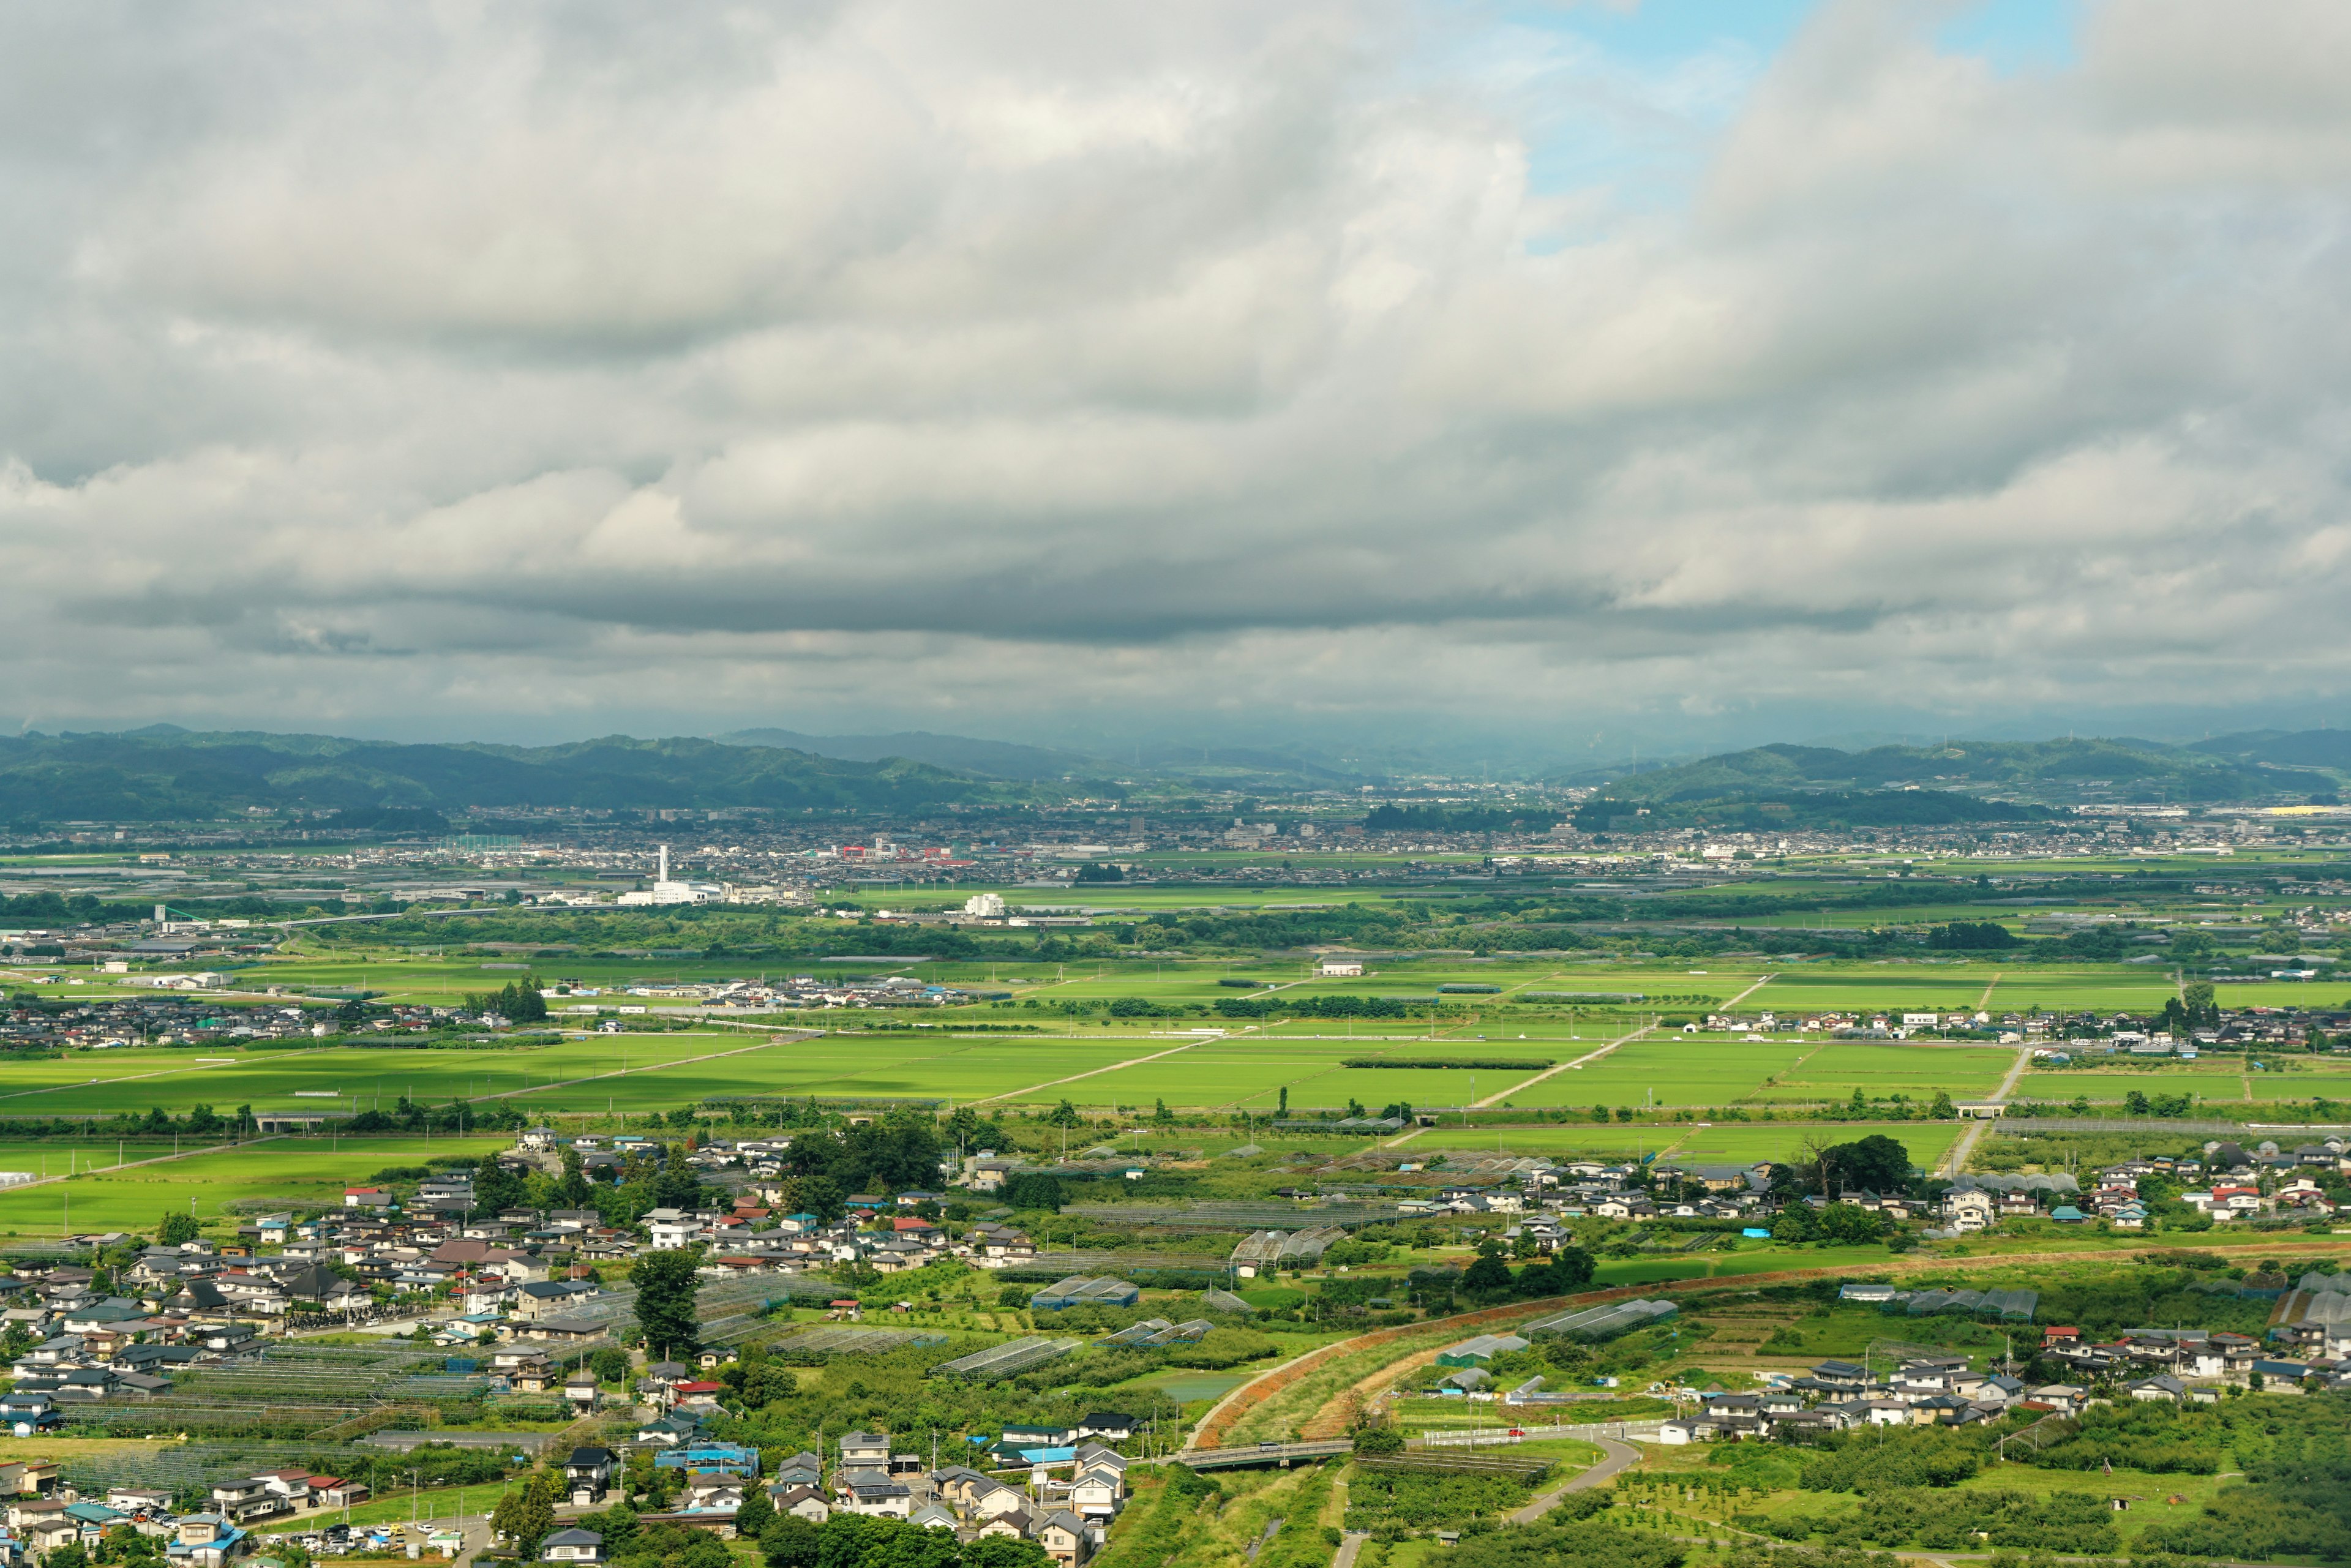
2046,773
173,775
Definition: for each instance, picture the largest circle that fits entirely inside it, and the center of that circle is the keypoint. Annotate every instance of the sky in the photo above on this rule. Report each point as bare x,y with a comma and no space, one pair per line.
1695,369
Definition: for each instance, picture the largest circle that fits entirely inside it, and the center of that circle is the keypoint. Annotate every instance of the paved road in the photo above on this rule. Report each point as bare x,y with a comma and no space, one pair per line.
1957,1161
1349,1545
1615,1456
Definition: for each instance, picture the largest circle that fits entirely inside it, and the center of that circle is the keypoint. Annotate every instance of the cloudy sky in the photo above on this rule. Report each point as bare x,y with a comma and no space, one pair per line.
1038,369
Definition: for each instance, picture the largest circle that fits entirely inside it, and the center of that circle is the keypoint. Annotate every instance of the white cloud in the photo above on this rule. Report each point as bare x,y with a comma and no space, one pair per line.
741,362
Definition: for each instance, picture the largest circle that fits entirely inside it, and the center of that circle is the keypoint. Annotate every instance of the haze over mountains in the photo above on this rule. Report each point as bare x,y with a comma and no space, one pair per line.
162,773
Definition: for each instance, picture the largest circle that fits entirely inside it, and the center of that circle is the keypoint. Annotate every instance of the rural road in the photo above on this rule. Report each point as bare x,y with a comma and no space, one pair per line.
156,1160
1562,1067
626,1072
1615,1456
1072,1078
1956,1160
1595,1056
1349,1545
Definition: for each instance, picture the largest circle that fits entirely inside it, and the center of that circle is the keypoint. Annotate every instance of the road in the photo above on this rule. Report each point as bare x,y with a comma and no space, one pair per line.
1615,1457
1956,1160
1554,1072
155,1160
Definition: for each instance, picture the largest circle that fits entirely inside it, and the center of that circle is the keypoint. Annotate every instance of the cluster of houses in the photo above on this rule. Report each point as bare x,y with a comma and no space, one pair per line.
43,1513
2182,1366
2069,1036
1074,1486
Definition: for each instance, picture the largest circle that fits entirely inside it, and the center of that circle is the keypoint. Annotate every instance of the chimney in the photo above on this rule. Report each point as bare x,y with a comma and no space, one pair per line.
665,863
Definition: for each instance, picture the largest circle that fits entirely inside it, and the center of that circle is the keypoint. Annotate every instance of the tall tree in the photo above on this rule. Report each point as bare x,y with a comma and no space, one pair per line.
666,1306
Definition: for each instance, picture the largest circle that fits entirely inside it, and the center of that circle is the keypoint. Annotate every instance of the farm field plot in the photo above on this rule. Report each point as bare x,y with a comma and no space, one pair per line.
2141,987
306,1170
2196,1078
271,1080
1883,1068
1746,1143
1554,1139
1682,1070
1250,1071
56,1156
1870,988
2305,994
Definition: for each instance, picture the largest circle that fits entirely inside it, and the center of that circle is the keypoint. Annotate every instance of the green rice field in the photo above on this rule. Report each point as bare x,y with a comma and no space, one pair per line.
300,1170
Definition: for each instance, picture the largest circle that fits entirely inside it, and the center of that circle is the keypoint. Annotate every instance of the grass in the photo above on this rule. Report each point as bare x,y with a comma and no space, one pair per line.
297,1170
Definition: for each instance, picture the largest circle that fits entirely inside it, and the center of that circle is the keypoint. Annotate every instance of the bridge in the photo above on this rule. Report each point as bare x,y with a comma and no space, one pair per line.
1282,1454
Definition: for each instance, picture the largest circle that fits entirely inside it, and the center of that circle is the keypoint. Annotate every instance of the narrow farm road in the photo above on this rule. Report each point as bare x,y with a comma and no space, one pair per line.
636,1071
1615,1456
1956,1160
1093,1073
157,1160
174,1071
1554,1072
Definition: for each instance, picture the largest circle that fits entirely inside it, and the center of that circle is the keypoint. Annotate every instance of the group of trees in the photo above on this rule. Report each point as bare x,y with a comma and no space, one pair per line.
200,1122
408,1115
518,1002
1559,1273
1972,936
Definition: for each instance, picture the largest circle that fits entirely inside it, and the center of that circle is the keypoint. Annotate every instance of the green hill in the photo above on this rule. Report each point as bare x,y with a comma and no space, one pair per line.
1964,781
156,776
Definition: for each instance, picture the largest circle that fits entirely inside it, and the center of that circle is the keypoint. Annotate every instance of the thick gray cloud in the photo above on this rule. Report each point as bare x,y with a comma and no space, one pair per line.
386,365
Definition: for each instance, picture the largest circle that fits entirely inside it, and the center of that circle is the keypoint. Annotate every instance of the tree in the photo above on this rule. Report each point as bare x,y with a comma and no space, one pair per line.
756,1512
665,1307
1942,1110
1487,1272
1876,1162
1161,1116
763,1386
790,1542
822,1197
572,1192
177,1228
527,1513
1036,1191
1377,1440
1064,1115
1003,1551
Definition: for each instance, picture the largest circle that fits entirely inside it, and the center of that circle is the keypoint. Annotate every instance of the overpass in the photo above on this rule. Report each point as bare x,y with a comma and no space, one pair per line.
1282,1454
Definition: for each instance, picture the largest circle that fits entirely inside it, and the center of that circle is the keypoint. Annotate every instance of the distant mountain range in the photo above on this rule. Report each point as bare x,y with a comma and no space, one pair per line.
164,773
993,758
2255,766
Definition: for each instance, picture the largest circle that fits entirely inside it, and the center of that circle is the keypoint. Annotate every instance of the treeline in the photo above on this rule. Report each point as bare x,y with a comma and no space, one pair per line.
198,1122
1393,819
1322,1007
1449,1063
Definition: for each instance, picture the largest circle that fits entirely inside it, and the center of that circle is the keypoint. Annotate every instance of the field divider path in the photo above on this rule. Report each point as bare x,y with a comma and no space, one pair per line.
1093,1073
156,1160
1985,1000
1615,1457
1750,991
1956,1160
638,1071
136,1077
1562,1067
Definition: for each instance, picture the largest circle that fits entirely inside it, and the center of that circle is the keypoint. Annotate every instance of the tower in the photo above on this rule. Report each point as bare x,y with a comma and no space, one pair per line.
664,864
